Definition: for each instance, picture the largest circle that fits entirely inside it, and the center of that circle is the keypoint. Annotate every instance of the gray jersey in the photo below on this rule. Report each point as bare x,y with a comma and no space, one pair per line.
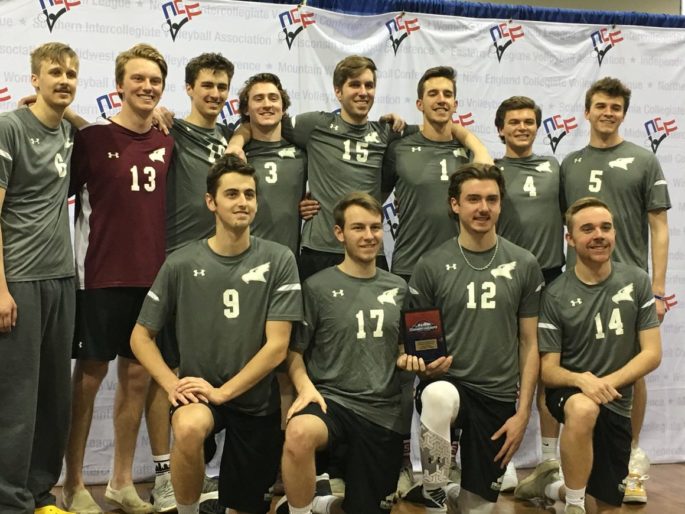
531,212
281,172
419,170
594,327
195,150
480,310
341,158
350,341
34,172
630,180
221,305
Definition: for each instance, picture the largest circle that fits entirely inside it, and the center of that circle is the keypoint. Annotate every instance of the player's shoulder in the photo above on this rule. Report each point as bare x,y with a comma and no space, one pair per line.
628,272
313,117
187,253
630,149
271,251
12,122
384,277
573,156
436,257
512,250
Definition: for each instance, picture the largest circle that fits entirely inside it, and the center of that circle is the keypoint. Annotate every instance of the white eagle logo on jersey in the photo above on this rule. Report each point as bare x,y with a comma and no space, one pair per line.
624,294
5,155
544,167
622,163
460,152
158,155
287,152
256,274
371,137
504,270
388,296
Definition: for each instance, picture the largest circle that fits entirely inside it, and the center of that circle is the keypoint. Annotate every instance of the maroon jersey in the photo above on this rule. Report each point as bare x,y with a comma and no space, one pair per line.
119,178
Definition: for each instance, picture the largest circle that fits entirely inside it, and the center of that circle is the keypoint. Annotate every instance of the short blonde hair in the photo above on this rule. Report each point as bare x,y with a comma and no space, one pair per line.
139,51
52,52
580,204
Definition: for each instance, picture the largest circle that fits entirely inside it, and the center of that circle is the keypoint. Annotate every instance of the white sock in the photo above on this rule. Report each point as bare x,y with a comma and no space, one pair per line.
574,497
307,509
552,490
549,448
193,508
322,504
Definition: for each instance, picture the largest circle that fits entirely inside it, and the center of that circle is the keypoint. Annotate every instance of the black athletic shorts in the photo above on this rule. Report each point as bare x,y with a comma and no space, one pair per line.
373,460
611,440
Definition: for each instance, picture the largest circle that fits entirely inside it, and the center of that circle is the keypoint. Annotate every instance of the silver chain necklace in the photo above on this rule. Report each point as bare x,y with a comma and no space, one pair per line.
494,254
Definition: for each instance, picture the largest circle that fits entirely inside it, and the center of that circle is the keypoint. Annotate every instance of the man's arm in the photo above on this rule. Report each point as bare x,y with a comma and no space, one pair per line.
306,391
529,365
470,141
596,388
646,361
8,308
658,232
241,136
264,362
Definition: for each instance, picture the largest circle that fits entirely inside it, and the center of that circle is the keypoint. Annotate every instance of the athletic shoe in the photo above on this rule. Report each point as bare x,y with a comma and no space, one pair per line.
635,489
162,495
210,489
405,482
452,491
81,502
533,486
282,506
435,501
639,462
51,509
509,480
574,509
127,499
211,507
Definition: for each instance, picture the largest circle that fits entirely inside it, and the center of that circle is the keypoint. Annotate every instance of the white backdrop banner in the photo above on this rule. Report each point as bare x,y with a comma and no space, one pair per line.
553,63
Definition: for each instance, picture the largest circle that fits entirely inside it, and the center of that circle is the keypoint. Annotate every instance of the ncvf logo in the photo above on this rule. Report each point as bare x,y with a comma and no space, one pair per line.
108,104
293,22
503,36
399,29
177,13
556,128
604,40
53,9
658,130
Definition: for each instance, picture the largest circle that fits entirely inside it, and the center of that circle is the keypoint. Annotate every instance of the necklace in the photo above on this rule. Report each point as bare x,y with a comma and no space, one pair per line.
489,262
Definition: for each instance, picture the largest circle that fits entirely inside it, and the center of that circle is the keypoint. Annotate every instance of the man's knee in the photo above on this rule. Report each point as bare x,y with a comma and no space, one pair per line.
192,424
580,412
440,400
305,434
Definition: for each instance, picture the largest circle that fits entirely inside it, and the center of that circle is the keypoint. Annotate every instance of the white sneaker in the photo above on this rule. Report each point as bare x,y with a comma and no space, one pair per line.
162,495
510,479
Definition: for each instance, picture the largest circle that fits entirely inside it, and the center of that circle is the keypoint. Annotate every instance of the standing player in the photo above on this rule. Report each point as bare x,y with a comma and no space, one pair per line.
488,291
343,365
590,320
119,174
532,219
630,180
281,167
233,298
36,285
198,142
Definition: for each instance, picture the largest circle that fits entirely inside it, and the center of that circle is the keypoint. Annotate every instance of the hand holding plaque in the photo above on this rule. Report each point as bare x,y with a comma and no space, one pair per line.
424,335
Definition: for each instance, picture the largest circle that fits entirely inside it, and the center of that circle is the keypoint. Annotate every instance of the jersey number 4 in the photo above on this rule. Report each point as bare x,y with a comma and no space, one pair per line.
374,314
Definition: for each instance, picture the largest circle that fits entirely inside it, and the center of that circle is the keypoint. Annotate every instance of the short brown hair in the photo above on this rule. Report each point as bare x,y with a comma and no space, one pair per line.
611,87
139,51
515,103
228,163
52,52
474,171
437,71
350,67
244,93
208,61
580,204
364,200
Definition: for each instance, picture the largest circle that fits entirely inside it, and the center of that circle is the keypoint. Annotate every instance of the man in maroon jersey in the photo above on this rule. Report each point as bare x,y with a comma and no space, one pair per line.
119,175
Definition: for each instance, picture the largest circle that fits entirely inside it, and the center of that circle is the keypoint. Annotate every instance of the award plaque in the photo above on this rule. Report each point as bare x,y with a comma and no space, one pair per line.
423,334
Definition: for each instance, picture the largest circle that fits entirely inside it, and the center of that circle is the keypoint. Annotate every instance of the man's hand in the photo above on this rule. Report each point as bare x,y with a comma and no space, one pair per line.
425,371
26,101
660,309
514,429
8,312
200,389
305,397
235,150
597,389
398,124
308,207
163,119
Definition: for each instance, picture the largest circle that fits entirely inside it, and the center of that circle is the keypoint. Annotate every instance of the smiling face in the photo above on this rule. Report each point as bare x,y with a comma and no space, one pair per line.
142,85
606,113
264,105
56,82
519,130
478,206
209,93
356,97
438,102
592,235
235,201
361,235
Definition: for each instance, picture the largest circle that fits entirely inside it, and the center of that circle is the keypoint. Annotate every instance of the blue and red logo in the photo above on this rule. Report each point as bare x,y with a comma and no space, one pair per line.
399,28
293,22
5,94
108,104
464,119
556,128
53,9
177,13
658,130
230,114
604,40
503,36
390,219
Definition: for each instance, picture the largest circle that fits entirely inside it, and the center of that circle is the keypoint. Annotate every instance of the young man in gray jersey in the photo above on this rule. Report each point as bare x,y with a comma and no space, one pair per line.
531,218
488,291
233,299
590,320
281,166
630,180
36,286
343,365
